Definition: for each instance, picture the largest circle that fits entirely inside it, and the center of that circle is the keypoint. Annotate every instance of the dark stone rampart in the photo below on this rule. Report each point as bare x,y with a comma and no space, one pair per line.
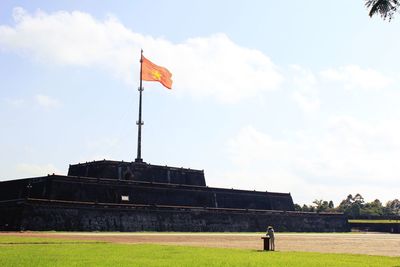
376,227
150,198
64,216
96,190
121,170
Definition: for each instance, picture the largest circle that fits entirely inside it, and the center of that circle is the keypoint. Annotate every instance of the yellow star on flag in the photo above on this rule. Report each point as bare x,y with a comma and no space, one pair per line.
156,75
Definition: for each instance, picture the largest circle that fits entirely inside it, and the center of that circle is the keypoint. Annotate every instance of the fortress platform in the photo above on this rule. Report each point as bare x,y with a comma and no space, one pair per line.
131,196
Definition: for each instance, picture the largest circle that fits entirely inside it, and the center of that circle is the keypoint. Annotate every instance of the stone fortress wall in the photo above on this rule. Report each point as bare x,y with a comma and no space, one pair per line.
123,196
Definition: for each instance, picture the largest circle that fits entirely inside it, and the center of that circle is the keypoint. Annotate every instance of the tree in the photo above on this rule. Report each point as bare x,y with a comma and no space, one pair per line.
352,206
321,205
306,208
297,207
358,199
393,207
385,8
346,203
374,208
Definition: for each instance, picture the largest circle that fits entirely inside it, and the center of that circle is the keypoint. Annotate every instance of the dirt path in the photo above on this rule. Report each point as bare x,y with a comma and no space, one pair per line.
355,243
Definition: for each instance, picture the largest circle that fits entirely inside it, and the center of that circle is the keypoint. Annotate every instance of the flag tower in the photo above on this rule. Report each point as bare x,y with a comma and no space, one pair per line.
149,72
139,123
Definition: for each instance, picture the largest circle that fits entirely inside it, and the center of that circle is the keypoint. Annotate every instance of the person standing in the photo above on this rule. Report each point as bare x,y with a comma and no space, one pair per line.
271,234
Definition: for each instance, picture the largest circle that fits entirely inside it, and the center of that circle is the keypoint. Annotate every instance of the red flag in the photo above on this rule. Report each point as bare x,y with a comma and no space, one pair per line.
153,72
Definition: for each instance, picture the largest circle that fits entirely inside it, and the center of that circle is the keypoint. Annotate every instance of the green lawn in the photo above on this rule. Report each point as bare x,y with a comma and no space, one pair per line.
374,221
15,251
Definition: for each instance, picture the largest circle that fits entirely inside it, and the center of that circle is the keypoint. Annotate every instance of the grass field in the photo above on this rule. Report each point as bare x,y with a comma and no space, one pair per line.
375,221
21,251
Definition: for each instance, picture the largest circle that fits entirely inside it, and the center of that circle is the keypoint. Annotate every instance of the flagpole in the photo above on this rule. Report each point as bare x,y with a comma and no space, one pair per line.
140,122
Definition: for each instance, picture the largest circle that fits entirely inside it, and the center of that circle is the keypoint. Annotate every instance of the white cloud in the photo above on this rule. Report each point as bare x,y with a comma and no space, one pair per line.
307,102
28,170
307,86
355,77
348,156
305,91
47,101
250,145
206,66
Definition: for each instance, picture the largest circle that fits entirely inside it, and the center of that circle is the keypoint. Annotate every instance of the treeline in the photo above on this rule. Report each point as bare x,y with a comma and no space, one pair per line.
354,207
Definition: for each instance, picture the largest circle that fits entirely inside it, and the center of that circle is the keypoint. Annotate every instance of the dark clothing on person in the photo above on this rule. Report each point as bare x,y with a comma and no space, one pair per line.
271,234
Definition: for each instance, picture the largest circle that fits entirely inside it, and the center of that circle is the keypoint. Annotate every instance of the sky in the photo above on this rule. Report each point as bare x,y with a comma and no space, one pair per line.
280,96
